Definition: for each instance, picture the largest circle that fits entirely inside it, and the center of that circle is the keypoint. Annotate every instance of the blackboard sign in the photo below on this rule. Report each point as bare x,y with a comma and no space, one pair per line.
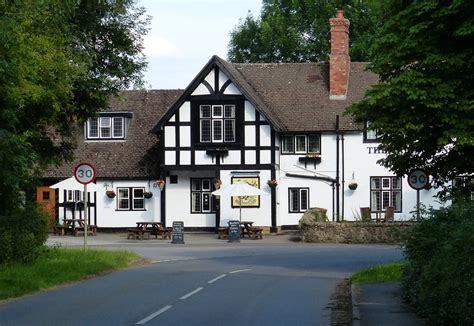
178,232
234,231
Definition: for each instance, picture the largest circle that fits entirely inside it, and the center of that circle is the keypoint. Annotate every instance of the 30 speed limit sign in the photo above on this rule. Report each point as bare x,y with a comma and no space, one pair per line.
84,173
417,179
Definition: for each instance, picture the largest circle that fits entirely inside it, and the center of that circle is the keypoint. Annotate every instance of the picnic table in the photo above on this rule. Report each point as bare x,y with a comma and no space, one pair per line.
247,228
145,228
75,226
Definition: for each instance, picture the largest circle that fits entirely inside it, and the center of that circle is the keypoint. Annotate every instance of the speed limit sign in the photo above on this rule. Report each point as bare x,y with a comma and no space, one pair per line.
84,173
417,179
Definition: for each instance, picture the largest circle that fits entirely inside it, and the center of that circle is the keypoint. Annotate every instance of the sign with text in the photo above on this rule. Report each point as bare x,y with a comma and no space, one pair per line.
417,179
178,232
84,173
234,230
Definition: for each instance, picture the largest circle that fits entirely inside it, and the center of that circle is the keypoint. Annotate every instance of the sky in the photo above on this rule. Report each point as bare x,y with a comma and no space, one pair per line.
185,34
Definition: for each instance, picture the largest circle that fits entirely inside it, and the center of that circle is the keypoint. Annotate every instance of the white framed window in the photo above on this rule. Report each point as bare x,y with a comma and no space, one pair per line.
104,127
384,192
118,127
217,123
298,199
130,199
201,198
370,135
301,144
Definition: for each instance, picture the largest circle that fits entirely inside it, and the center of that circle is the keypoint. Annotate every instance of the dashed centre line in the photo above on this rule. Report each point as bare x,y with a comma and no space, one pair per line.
240,270
217,278
191,293
153,315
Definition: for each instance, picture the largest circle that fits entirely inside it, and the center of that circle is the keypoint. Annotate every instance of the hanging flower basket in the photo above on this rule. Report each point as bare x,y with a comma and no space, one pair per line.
160,184
147,194
353,185
110,193
272,183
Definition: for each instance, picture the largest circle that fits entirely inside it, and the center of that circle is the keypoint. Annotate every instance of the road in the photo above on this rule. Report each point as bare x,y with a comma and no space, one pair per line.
252,283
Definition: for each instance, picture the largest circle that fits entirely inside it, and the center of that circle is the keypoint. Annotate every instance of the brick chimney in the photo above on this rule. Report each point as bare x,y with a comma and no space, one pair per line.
339,60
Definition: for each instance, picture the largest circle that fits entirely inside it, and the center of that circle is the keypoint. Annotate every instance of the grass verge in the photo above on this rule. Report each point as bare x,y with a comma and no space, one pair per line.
390,272
58,266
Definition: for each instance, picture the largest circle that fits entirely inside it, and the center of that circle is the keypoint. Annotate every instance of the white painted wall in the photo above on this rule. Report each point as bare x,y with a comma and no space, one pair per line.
107,213
170,136
262,215
185,112
178,200
357,161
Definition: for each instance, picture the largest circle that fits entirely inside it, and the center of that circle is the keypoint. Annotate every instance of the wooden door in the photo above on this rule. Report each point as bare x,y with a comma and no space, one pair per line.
46,197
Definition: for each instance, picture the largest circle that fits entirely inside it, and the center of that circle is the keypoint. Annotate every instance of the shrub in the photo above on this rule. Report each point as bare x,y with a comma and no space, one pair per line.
439,280
22,234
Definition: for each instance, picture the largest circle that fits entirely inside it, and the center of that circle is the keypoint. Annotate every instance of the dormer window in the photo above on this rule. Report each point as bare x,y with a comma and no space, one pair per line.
301,144
106,127
370,135
217,123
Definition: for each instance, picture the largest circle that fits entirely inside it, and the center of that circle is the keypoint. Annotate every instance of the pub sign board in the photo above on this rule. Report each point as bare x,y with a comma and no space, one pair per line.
234,230
178,232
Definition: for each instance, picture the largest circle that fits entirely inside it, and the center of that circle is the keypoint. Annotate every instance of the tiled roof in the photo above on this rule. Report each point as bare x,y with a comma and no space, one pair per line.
126,159
297,94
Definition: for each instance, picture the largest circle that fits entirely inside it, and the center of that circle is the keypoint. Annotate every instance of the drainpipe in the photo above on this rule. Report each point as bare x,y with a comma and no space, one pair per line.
338,186
342,182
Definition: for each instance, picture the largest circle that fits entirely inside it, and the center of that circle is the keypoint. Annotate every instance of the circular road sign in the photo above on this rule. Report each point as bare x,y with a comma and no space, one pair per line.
84,173
417,179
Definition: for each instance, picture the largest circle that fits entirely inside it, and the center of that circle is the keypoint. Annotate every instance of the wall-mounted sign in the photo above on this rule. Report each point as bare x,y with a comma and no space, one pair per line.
247,201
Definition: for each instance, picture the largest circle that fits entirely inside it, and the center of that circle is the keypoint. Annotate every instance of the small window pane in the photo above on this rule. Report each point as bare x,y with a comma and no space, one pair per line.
385,199
287,144
206,184
304,199
105,127
196,202
314,144
385,183
46,195
217,130
118,127
123,199
196,184
205,130
294,200
397,200
217,111
229,111
229,130
375,183
300,144
371,134
93,128
205,111
396,183
375,201
206,202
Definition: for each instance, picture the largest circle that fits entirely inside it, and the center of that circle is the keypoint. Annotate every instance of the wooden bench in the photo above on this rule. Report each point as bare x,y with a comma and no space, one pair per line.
138,233
80,231
255,232
165,233
222,233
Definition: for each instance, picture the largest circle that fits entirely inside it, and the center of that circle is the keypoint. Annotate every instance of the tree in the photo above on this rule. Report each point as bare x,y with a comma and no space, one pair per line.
298,31
423,107
60,61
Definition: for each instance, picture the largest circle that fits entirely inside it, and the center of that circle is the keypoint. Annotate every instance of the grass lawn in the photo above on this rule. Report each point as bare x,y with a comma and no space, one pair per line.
390,272
58,266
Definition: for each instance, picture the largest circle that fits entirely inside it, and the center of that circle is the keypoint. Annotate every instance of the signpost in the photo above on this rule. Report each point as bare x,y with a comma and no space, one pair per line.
85,174
178,232
234,230
417,179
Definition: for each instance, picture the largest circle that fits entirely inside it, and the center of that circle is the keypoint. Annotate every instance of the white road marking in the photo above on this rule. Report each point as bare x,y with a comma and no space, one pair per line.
153,315
191,293
240,270
217,278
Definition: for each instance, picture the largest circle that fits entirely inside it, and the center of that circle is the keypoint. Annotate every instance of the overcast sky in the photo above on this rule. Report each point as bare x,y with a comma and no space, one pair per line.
185,34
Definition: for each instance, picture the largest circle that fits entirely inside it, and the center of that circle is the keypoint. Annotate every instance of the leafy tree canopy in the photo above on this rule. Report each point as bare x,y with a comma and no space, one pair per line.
423,107
298,31
60,61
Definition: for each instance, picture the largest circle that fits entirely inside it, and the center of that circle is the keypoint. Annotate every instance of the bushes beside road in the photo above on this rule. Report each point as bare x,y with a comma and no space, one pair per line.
438,280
